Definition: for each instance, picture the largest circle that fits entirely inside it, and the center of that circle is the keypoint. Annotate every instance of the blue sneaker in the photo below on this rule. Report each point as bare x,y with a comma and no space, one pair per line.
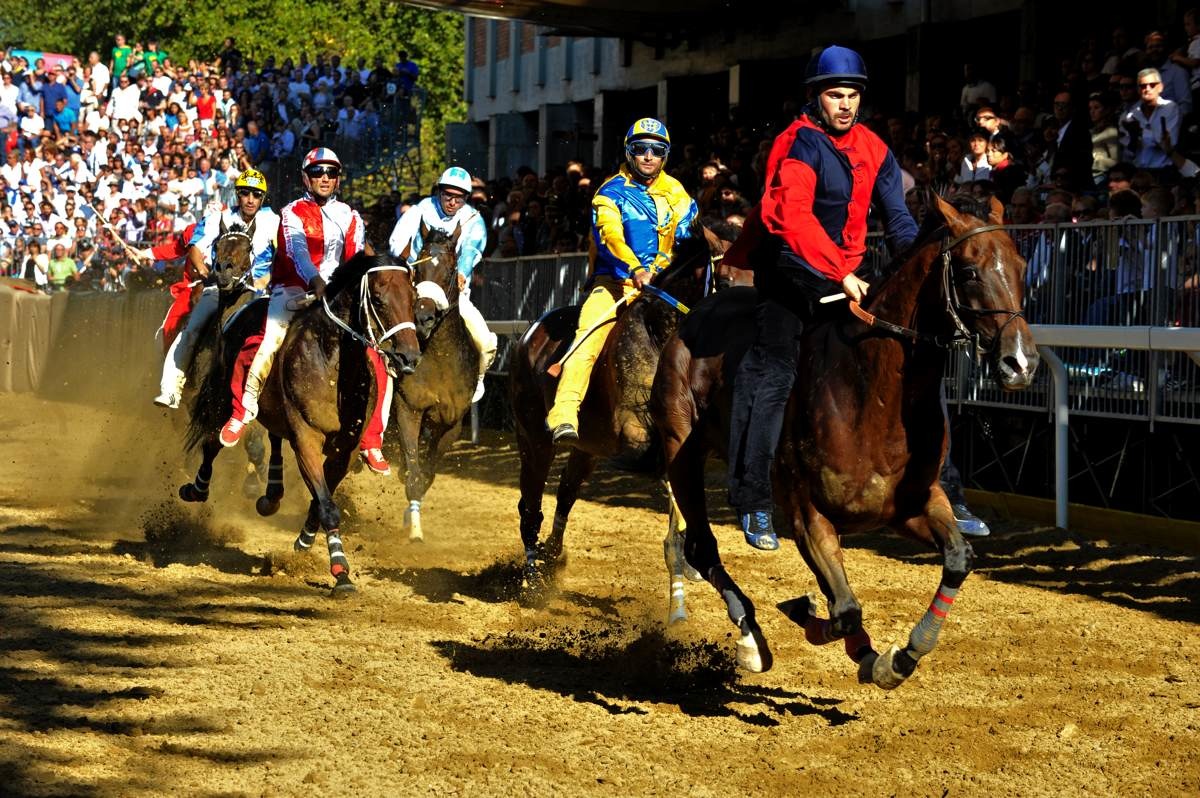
969,524
759,531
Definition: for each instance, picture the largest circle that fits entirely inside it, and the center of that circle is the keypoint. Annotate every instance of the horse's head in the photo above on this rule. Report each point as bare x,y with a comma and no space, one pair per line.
693,272
435,274
720,237
377,295
234,255
983,277
392,299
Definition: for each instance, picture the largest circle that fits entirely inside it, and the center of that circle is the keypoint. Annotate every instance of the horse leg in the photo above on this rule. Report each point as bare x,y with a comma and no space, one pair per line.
268,503
337,463
685,471
308,533
579,467
197,490
408,427
821,549
938,527
537,452
256,467
677,564
309,446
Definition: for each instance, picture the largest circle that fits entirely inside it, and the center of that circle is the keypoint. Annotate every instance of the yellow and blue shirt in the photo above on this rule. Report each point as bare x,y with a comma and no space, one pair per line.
635,226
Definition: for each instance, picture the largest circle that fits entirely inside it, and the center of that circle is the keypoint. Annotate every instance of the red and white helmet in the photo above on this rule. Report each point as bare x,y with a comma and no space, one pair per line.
318,155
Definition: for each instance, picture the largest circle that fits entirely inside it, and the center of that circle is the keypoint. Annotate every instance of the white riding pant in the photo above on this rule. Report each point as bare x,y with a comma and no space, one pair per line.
483,338
280,309
179,355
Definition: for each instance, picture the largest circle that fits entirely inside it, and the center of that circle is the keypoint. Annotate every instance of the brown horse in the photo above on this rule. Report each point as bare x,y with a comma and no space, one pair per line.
614,421
430,403
864,435
320,389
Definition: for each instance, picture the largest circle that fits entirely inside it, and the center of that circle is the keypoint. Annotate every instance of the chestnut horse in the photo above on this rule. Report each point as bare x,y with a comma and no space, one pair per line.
614,419
864,434
320,389
429,404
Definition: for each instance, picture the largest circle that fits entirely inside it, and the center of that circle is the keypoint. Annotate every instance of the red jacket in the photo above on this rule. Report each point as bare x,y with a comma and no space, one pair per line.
819,193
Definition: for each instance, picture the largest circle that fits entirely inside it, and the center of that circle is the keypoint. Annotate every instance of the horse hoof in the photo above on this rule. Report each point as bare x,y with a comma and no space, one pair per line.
189,493
344,587
753,653
265,506
883,670
676,615
416,536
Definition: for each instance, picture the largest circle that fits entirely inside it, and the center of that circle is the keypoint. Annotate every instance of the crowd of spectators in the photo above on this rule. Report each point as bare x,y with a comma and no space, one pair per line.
101,156
1108,136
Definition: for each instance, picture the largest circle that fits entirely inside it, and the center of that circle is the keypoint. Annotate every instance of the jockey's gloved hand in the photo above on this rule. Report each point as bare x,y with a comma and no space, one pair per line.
316,287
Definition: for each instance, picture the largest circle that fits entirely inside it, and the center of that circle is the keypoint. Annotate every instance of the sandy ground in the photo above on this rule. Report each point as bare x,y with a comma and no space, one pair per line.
151,648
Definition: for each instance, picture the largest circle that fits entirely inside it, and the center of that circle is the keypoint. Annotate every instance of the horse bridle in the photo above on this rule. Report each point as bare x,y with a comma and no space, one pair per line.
954,307
370,316
245,278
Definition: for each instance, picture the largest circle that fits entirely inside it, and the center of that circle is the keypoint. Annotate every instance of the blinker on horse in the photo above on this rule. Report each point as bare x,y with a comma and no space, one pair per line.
319,391
864,435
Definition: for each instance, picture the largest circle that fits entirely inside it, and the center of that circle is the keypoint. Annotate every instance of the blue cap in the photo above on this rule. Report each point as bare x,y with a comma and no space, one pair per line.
835,65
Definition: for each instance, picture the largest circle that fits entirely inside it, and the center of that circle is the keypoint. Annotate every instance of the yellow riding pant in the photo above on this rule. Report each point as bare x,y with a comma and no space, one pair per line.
598,308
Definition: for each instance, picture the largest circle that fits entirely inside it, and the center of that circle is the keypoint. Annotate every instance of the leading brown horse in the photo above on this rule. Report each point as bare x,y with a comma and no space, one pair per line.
614,419
864,435
319,391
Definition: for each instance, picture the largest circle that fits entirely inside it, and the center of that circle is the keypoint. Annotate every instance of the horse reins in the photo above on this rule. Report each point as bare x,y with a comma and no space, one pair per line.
364,301
954,306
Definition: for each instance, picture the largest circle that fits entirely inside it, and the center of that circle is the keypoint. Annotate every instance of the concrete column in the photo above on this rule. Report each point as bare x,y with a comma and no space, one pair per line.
598,127
735,85
543,138
662,102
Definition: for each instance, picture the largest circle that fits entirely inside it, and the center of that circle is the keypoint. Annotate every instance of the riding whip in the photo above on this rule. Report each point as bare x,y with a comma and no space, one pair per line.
554,369
665,297
136,255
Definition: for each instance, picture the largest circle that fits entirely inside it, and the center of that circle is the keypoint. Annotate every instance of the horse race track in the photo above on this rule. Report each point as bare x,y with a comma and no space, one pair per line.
148,648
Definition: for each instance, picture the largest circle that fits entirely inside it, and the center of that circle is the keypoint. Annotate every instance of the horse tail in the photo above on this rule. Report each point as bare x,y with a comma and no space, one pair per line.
214,397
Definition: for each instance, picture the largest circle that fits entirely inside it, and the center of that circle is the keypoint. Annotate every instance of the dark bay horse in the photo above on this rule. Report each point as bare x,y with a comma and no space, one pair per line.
231,265
864,435
320,391
614,418
429,404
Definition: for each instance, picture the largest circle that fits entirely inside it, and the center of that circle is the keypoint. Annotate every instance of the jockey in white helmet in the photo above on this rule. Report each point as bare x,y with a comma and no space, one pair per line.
448,208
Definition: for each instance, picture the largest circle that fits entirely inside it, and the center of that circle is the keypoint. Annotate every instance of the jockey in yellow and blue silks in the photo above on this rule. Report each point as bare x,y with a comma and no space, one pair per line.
637,216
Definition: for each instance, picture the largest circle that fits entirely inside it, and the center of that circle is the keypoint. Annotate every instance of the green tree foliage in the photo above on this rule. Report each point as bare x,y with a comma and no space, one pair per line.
281,28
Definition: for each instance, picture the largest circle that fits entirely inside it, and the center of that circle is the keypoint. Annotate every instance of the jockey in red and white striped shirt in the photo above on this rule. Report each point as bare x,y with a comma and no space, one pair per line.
317,233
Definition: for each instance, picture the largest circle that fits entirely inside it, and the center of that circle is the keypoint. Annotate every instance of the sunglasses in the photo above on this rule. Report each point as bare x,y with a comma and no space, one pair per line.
250,192
448,196
1149,85
642,147
323,171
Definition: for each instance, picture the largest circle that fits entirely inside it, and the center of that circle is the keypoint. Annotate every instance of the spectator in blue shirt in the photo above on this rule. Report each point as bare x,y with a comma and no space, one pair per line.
52,92
63,119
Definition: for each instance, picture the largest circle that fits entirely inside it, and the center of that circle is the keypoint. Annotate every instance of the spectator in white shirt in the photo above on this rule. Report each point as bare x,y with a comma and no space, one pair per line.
975,92
8,99
101,76
125,99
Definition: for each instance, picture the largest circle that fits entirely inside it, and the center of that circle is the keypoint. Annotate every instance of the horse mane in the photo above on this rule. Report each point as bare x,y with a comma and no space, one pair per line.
351,272
931,226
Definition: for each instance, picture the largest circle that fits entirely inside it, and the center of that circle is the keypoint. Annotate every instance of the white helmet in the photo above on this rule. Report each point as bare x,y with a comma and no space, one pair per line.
456,177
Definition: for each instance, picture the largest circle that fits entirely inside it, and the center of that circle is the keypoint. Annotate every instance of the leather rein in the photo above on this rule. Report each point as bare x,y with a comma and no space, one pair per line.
962,335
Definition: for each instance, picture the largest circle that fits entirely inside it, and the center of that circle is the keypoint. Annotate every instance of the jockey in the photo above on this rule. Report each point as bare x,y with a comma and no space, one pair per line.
447,210
807,238
317,233
637,216
251,192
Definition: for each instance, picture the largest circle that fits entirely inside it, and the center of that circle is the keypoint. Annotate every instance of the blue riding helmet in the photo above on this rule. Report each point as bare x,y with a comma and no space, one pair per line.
648,128
836,65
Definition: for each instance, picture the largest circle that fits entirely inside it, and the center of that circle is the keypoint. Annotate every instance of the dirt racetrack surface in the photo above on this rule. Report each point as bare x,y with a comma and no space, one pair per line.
147,647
